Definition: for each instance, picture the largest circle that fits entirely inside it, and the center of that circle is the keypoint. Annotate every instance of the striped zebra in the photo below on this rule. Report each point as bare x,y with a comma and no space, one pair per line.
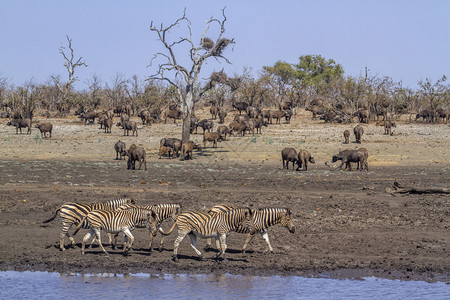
163,211
113,221
263,218
207,226
72,214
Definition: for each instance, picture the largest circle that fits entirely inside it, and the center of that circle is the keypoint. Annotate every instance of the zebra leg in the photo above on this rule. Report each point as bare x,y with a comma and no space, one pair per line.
110,238
65,232
72,240
128,234
94,239
150,241
176,244
193,238
223,246
247,241
99,240
208,243
265,236
113,241
61,241
161,243
151,236
218,246
85,239
125,242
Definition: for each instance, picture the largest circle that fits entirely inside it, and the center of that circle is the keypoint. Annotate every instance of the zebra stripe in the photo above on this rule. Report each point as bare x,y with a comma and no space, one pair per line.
118,221
205,225
73,214
263,218
163,211
222,208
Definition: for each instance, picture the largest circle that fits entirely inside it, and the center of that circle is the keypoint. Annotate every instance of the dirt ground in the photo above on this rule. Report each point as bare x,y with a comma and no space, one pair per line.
347,225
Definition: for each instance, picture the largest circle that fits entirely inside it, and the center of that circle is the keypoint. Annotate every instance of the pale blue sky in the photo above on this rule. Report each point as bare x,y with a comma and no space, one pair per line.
407,40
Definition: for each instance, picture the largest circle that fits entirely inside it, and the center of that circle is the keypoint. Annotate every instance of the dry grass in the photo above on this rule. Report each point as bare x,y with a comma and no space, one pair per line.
411,144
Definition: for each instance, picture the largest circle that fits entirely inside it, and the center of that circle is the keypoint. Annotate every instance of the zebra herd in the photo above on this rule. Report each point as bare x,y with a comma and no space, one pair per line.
123,215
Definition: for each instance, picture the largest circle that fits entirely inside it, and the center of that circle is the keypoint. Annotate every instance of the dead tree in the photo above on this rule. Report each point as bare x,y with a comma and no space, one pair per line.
400,189
171,71
71,64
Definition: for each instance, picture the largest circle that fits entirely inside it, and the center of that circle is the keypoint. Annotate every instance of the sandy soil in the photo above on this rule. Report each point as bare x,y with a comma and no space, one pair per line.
347,226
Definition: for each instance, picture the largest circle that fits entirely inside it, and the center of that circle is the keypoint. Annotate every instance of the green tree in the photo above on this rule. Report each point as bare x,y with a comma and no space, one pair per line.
280,78
317,72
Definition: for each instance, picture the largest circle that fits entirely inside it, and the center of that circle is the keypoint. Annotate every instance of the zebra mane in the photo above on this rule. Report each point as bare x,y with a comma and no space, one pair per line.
163,211
277,209
235,209
120,200
112,204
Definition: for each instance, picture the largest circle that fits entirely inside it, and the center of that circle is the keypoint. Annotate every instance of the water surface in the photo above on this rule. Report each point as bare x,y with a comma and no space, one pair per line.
44,285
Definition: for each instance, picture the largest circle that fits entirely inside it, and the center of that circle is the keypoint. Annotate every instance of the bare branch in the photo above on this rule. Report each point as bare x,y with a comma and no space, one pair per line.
188,93
68,62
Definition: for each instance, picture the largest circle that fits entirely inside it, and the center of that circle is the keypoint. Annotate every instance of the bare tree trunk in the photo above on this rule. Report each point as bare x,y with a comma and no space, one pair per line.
187,107
198,55
186,131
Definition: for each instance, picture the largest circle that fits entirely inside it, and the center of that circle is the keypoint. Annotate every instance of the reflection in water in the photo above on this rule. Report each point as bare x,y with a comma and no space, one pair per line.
38,285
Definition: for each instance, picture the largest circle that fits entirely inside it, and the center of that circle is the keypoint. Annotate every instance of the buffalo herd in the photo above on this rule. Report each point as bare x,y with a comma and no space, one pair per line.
247,120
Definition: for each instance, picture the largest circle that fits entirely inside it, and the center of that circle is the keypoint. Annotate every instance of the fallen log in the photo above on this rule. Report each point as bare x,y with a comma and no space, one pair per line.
400,189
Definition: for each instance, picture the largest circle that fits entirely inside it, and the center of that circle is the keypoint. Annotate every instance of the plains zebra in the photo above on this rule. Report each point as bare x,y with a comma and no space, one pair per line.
222,208
263,218
163,211
118,221
73,213
207,226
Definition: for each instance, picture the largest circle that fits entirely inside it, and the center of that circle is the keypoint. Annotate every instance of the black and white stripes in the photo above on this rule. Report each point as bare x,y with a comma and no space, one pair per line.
263,218
207,226
73,214
163,211
118,221
122,215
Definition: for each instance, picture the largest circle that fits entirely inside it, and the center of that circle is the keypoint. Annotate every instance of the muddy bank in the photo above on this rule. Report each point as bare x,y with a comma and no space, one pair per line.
346,224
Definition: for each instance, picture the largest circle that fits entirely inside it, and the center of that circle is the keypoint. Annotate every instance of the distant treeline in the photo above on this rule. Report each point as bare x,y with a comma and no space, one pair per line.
313,81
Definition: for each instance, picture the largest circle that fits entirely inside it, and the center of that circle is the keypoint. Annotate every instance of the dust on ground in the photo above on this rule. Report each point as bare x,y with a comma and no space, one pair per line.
347,226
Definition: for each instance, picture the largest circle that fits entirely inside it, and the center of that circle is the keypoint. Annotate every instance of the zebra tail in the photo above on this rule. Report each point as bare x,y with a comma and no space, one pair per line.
170,230
54,216
79,226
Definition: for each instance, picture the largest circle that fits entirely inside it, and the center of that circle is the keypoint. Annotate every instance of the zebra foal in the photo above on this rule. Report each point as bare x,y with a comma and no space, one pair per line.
263,218
208,226
118,221
73,213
